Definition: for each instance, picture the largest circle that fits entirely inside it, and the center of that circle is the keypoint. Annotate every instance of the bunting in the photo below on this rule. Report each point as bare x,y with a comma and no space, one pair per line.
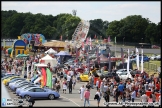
141,60
137,58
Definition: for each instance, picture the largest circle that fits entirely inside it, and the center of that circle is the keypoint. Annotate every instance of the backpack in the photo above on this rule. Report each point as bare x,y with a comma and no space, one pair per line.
56,80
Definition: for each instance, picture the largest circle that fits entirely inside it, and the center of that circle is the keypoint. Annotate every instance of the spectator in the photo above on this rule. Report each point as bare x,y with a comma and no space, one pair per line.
86,97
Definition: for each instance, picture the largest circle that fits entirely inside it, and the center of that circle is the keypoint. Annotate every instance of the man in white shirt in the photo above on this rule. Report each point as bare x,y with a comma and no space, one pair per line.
144,98
71,73
129,86
68,78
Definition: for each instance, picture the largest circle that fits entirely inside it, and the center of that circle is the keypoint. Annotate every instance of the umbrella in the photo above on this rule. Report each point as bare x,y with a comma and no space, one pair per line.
21,55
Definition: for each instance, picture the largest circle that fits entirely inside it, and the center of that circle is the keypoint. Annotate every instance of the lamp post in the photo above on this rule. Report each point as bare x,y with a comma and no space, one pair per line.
123,41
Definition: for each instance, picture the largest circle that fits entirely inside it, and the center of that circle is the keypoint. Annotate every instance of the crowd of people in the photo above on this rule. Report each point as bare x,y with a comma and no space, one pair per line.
65,78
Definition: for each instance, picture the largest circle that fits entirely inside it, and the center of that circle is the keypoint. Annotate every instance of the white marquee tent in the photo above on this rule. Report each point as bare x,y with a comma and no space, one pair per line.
48,59
51,51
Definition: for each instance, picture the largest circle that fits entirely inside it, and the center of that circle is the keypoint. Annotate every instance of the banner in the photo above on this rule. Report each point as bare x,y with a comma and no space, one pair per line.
137,58
109,62
141,60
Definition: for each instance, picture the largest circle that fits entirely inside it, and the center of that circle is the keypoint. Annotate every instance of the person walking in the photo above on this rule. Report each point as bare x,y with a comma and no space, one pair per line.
86,97
106,95
150,101
99,96
133,95
54,82
70,86
82,89
31,101
58,86
64,86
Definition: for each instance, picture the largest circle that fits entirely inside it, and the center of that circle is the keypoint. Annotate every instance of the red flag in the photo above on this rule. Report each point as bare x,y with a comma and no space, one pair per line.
61,37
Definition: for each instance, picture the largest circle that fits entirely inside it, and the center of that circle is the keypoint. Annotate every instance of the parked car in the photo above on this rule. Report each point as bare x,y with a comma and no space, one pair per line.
155,47
153,57
10,78
15,80
13,88
37,92
145,59
12,85
24,87
108,75
158,57
122,70
125,75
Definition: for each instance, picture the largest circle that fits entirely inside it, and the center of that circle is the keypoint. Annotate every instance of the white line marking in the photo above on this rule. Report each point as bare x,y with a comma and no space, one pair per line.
71,101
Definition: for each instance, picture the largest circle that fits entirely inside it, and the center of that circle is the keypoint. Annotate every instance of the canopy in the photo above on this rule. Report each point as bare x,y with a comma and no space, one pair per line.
62,53
21,55
48,59
40,65
51,51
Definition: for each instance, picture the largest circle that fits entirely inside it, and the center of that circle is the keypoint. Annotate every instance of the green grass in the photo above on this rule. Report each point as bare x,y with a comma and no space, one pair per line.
150,67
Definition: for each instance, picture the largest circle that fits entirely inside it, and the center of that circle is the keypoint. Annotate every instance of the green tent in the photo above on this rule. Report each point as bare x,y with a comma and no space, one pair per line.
21,55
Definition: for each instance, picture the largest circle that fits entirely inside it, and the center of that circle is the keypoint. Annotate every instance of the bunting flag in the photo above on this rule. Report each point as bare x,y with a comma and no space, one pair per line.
83,46
137,58
122,56
141,60
109,62
76,49
115,40
128,73
61,37
90,42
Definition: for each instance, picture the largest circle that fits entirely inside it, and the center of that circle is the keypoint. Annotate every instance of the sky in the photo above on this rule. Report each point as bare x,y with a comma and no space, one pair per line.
107,11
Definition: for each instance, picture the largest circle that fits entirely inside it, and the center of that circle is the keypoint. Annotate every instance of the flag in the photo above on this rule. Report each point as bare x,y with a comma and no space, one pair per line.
49,78
108,40
141,60
61,37
122,57
97,54
90,42
4,43
128,65
83,46
95,36
115,40
109,62
23,68
137,58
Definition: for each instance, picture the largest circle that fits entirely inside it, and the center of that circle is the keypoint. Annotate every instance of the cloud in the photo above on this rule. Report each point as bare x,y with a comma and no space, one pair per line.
90,10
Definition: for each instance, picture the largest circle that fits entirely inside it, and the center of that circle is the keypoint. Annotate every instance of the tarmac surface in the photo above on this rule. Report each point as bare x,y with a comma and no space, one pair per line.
65,100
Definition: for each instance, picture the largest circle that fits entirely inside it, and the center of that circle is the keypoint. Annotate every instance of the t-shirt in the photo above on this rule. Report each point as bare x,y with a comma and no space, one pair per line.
144,98
68,78
121,87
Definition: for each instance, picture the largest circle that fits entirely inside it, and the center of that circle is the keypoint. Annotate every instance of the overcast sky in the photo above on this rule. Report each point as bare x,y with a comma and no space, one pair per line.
109,11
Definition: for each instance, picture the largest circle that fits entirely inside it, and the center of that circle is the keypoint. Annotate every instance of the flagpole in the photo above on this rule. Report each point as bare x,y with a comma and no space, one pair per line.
115,46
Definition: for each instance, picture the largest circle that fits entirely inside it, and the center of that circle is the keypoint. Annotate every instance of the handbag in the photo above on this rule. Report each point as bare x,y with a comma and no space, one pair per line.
79,91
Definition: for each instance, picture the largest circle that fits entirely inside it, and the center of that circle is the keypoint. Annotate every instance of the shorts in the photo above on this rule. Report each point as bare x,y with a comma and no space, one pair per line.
78,78
64,89
98,100
121,93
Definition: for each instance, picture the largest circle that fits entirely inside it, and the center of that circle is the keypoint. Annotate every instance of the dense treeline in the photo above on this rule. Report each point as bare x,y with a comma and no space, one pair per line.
133,28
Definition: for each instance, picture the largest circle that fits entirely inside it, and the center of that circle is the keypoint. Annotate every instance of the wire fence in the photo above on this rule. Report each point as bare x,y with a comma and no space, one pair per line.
150,66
